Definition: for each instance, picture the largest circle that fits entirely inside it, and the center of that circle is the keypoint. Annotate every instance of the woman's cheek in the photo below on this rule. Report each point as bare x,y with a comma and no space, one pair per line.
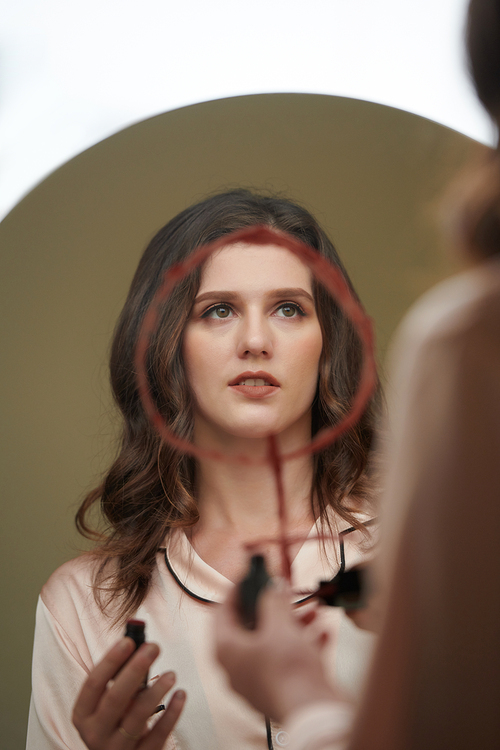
310,348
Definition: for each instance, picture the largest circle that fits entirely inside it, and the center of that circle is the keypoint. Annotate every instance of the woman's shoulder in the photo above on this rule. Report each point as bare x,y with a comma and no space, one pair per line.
71,626
360,537
76,572
71,585
454,308
453,330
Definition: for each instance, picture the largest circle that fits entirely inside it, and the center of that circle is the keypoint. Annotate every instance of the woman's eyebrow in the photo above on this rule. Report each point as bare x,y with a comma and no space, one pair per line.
273,293
226,296
291,292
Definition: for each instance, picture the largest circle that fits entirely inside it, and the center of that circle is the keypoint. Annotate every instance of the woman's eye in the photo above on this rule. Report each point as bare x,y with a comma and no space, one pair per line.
289,311
219,311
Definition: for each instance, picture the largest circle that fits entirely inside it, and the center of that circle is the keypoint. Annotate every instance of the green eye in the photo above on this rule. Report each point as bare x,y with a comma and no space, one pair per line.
289,310
218,311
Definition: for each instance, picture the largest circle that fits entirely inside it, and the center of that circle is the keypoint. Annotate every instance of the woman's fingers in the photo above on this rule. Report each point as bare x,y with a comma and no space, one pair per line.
228,612
308,617
95,684
114,716
126,685
134,720
155,739
228,625
323,639
274,606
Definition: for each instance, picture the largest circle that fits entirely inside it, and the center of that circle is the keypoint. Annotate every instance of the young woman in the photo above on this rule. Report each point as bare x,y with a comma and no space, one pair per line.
435,680
246,346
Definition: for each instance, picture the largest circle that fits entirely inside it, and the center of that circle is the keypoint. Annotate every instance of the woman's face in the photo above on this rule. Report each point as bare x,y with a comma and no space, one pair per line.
252,346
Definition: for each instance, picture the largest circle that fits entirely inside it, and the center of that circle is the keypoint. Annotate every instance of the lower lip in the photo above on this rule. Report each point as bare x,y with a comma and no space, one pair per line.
255,391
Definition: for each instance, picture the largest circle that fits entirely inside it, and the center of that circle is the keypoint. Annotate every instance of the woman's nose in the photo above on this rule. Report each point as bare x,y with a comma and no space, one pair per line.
255,337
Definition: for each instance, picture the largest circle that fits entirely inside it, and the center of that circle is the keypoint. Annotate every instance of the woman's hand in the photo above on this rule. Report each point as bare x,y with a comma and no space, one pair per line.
368,617
278,666
114,717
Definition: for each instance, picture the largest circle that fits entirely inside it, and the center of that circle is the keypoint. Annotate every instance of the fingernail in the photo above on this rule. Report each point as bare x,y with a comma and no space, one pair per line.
124,644
151,649
168,676
180,694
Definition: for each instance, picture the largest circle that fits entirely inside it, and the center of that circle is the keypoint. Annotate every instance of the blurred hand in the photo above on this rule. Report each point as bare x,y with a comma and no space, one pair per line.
114,717
368,617
278,666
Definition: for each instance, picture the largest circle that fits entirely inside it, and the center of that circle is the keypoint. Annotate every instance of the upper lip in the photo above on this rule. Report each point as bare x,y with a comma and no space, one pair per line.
259,374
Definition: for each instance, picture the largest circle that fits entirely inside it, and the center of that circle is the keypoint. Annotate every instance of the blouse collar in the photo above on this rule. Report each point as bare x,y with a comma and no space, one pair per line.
314,561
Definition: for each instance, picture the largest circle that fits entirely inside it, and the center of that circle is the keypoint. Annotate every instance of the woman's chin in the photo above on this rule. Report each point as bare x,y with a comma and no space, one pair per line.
288,435
238,435
255,432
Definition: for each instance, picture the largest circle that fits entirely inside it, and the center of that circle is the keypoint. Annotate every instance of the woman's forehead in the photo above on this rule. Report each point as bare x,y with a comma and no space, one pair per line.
244,266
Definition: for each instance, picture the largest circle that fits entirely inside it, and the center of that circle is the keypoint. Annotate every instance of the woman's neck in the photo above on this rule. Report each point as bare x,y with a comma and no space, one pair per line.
238,505
244,498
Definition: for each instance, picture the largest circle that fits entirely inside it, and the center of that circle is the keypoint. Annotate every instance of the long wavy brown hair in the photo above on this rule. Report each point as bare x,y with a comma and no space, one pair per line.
150,487
483,47
480,204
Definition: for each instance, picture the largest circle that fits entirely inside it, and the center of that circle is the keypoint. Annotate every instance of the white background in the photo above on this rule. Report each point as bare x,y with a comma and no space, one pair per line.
73,72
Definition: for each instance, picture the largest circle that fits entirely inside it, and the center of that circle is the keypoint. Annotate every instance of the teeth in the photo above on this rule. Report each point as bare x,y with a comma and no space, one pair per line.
254,381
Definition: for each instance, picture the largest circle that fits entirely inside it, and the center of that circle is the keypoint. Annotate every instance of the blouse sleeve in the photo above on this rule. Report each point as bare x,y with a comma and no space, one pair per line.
58,673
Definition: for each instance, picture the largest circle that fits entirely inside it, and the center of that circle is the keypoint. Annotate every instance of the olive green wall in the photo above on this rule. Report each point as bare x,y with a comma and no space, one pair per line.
371,174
